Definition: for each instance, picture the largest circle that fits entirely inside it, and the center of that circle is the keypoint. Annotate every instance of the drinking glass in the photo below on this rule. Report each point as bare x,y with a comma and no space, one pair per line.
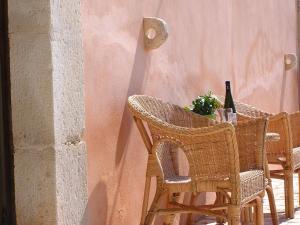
228,115
225,115
221,115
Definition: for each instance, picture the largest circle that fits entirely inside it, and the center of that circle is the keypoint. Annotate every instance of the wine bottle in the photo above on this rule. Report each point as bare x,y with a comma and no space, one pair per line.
229,101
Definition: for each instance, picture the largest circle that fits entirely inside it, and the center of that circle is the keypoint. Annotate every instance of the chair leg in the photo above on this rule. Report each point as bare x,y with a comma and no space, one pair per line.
242,216
299,185
189,217
273,210
254,215
169,219
155,204
234,215
220,200
234,221
289,194
247,212
146,199
259,212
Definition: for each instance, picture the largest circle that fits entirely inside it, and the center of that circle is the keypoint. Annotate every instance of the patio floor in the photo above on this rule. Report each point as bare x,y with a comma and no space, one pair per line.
279,196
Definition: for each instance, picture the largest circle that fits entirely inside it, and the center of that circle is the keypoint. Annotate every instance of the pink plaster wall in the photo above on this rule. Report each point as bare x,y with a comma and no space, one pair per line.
210,41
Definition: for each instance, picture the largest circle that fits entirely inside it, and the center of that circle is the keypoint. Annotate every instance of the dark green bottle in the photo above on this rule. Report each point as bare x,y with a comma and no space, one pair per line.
228,98
229,102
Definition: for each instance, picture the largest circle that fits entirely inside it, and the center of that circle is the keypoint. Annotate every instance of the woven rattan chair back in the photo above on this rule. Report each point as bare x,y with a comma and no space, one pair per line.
245,109
277,124
295,128
283,147
155,112
251,139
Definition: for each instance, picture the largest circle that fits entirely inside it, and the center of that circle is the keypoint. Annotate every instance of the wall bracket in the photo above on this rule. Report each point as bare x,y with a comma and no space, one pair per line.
155,32
290,61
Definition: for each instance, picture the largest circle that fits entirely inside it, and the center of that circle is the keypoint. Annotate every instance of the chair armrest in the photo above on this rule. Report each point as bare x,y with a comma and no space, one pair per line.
295,128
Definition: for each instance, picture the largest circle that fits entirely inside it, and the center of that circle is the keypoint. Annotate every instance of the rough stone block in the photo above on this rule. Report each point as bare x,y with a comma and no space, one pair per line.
48,112
35,186
68,90
32,87
65,18
71,183
29,16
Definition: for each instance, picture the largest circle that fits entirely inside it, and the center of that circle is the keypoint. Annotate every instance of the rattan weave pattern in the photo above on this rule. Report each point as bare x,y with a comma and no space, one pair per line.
283,152
212,153
296,156
295,128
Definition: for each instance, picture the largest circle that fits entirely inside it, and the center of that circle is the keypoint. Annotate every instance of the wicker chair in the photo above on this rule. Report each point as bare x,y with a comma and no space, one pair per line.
212,153
284,152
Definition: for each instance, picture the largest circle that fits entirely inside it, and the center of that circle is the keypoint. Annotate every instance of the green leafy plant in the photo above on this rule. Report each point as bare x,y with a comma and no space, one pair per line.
205,105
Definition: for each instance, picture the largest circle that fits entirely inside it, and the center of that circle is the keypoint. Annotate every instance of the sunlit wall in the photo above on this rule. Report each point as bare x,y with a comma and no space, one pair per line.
210,41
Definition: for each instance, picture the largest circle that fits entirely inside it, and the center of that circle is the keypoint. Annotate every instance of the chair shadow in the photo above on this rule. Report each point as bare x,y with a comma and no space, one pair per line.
137,79
281,216
96,208
283,90
141,61
267,219
135,87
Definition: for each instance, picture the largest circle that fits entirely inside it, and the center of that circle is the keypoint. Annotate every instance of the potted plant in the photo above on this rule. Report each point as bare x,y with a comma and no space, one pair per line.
205,105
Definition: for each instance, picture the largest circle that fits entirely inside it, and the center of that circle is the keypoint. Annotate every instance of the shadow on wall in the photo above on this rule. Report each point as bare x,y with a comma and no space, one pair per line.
96,209
135,87
283,89
141,61
96,212
137,79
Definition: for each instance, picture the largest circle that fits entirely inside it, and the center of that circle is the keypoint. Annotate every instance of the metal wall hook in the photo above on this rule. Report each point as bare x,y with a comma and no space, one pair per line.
155,32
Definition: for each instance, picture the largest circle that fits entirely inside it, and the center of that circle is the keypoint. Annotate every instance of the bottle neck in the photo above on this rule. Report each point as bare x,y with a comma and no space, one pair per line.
227,85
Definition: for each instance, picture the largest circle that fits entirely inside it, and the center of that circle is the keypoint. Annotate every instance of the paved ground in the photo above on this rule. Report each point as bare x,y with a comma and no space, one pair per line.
279,196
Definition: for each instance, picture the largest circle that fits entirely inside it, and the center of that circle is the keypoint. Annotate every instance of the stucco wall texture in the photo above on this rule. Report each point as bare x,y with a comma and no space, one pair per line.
210,41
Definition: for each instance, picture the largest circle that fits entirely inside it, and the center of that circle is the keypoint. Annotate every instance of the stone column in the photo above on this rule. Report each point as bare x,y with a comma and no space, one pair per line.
47,111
